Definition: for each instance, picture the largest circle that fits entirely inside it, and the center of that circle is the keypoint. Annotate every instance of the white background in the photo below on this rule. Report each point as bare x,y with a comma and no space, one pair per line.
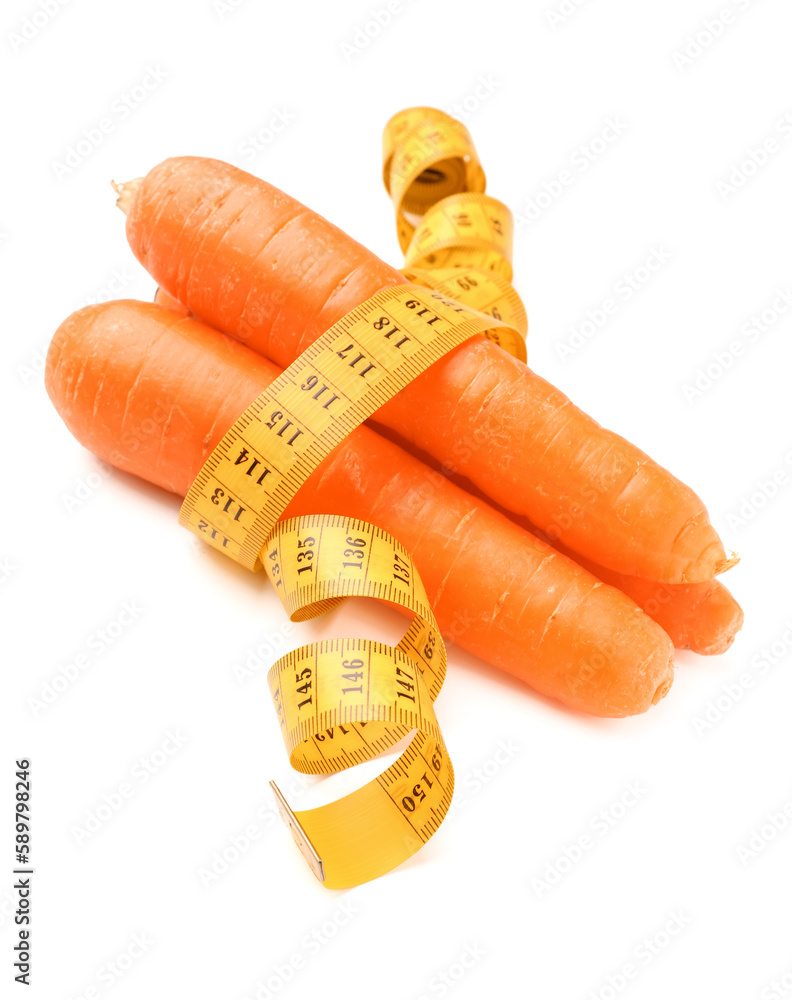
69,567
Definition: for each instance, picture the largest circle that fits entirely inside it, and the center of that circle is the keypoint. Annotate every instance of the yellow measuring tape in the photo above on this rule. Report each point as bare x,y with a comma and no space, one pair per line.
344,701
454,237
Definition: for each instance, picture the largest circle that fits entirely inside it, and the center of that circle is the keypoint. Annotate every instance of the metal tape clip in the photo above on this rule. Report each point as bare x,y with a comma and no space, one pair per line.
301,838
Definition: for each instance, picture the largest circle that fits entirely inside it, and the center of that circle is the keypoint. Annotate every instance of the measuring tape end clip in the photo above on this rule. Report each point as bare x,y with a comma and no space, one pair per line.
301,838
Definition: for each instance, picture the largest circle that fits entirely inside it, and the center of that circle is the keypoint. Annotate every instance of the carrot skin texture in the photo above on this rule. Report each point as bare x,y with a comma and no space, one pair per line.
133,383
582,485
703,617
252,261
153,392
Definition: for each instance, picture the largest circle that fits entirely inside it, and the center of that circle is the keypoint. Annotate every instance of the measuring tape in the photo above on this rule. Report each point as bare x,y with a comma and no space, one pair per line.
344,701
454,237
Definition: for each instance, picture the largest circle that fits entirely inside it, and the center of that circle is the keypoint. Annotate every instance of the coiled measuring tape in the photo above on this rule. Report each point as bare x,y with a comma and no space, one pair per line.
454,237
343,701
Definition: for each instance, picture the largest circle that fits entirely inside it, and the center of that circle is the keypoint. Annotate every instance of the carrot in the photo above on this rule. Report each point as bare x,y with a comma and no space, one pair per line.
162,298
703,617
252,261
152,392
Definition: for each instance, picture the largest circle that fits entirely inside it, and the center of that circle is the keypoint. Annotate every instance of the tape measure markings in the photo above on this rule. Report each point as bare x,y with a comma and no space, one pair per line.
420,782
359,703
310,438
344,701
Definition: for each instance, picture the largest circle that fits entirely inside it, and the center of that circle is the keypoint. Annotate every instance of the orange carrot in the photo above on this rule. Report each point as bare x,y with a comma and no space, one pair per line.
162,298
254,262
152,392
703,617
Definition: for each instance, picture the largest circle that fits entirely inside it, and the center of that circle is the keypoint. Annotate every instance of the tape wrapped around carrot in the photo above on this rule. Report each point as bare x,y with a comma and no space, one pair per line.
251,261
703,617
152,392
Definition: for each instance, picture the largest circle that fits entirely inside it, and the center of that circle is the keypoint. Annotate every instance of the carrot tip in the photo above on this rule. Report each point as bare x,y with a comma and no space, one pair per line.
663,690
717,647
126,192
725,610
